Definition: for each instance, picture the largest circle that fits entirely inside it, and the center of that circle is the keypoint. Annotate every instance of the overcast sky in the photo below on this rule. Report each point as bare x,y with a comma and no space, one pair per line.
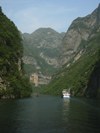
29,15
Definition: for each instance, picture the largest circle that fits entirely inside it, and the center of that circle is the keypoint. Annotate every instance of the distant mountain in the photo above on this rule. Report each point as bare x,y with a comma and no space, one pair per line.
80,59
41,51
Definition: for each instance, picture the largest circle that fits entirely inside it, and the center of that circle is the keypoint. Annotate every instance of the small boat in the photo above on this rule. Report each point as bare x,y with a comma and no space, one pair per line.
66,93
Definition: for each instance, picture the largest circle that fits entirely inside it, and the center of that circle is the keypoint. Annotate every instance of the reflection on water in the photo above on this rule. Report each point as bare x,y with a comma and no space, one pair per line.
65,109
49,114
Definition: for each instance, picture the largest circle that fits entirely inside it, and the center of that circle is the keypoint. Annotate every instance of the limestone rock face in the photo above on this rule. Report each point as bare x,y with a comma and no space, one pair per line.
42,50
34,79
29,60
80,30
39,79
19,63
46,42
44,79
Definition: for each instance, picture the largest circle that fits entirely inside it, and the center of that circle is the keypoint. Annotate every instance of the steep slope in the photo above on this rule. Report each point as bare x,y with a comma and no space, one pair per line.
42,49
12,82
80,59
78,33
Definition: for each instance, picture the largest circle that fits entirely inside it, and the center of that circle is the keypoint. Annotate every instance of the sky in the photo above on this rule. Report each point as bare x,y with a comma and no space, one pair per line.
29,15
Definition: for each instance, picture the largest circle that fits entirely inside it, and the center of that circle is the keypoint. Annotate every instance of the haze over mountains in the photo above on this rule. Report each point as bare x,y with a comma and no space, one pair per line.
41,52
74,56
80,59
70,60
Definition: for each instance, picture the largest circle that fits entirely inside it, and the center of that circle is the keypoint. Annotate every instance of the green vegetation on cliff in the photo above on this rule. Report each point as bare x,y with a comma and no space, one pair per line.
82,72
12,81
43,45
82,76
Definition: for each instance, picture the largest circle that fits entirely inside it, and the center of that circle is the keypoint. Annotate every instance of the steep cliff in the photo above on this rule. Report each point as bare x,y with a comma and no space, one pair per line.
80,59
78,33
42,49
12,82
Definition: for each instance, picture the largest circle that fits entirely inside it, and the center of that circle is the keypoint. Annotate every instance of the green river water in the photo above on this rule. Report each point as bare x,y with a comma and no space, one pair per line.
50,114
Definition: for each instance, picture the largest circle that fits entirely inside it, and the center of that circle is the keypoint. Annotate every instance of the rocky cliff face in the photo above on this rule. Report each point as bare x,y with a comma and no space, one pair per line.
79,31
46,42
80,59
39,79
42,49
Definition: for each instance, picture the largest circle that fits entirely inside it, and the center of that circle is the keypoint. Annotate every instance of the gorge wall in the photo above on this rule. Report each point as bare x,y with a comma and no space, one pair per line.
80,59
79,32
42,50
12,81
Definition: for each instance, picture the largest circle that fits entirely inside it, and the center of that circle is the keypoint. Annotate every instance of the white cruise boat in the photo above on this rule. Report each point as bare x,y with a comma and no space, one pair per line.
66,93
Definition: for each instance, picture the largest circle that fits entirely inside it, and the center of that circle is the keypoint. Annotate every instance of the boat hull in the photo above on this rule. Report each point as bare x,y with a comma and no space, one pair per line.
66,96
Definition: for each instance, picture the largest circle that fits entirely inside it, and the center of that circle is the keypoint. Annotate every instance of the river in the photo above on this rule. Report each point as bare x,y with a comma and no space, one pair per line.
49,114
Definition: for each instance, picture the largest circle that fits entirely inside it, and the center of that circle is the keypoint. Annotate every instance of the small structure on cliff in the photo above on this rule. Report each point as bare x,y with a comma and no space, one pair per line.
34,79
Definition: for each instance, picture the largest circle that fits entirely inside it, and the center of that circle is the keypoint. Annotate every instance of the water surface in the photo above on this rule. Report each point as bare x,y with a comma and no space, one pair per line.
49,114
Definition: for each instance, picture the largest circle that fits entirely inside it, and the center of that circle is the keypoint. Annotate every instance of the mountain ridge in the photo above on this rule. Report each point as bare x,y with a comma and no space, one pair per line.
43,47
78,31
79,59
